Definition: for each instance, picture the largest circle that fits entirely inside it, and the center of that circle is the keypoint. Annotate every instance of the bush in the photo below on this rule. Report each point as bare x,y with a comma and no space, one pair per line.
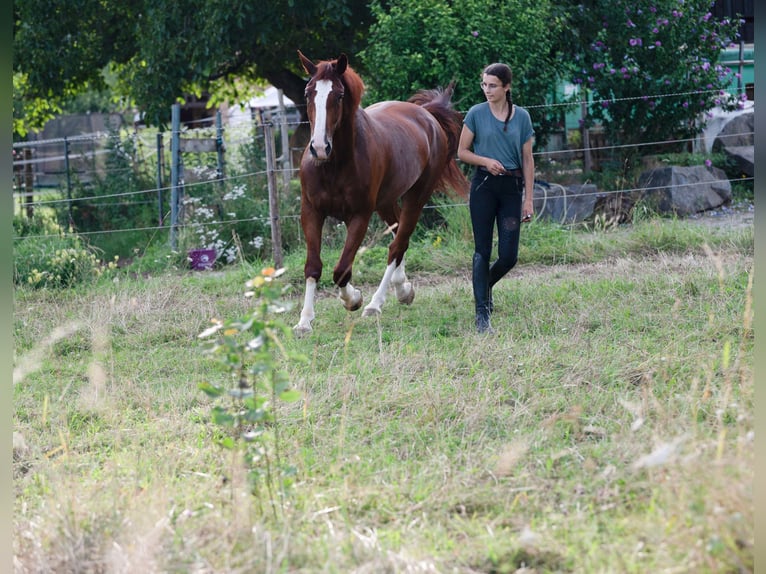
44,255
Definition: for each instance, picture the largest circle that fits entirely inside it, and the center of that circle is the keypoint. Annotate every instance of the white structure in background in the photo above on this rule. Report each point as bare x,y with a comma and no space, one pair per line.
272,103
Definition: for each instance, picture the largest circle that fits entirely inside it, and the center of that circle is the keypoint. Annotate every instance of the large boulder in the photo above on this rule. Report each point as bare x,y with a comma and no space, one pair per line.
685,190
571,204
736,140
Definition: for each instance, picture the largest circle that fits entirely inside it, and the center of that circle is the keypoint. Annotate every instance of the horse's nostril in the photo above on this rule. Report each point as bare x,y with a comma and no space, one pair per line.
328,149
312,150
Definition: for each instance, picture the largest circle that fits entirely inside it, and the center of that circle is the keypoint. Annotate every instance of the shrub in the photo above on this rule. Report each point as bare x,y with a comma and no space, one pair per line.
44,255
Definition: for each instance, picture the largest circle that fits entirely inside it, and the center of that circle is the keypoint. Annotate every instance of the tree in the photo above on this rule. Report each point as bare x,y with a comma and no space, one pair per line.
162,50
650,66
422,44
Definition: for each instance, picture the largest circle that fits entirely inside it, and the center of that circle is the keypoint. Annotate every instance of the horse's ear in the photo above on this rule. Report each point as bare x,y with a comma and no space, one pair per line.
308,65
341,64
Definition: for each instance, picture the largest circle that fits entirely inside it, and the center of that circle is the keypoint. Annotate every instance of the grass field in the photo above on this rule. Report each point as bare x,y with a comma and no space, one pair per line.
606,427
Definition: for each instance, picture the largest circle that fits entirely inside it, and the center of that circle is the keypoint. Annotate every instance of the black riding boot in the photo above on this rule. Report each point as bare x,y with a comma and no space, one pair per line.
481,293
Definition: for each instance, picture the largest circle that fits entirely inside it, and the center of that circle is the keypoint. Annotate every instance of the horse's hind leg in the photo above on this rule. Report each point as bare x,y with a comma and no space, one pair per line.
405,292
394,275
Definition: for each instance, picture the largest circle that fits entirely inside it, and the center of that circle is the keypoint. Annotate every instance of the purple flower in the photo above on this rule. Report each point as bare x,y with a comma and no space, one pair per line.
605,104
655,30
652,9
623,70
635,42
658,43
685,104
630,23
475,33
706,17
708,163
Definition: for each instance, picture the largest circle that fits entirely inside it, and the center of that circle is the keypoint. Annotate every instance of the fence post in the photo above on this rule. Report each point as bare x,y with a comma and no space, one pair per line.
276,227
287,162
174,173
219,144
29,183
159,178
68,181
587,161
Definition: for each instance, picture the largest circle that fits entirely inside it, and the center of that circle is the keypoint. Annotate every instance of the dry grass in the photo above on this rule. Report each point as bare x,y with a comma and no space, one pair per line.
608,427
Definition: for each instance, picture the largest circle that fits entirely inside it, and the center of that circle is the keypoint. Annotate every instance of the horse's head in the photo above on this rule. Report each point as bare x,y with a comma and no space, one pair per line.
327,100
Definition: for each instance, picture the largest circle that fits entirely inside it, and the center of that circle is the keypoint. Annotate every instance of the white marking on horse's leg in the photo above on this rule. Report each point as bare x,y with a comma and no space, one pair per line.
307,313
380,295
352,298
405,293
319,135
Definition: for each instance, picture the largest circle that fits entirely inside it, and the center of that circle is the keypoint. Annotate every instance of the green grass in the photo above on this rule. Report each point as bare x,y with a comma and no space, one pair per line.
606,427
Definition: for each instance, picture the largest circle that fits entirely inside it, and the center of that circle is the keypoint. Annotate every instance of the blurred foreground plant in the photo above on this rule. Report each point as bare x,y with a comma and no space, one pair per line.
250,348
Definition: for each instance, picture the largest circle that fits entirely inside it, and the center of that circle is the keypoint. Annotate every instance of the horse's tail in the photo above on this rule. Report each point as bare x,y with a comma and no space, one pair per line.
439,103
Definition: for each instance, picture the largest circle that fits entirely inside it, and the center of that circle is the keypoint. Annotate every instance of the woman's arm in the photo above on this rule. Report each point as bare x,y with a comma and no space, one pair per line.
466,155
528,167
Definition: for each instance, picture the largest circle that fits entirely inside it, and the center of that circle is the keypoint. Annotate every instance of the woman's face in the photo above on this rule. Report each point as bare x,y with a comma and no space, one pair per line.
493,88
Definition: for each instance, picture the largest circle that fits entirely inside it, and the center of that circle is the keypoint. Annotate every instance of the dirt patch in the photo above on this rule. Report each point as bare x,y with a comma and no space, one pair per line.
734,216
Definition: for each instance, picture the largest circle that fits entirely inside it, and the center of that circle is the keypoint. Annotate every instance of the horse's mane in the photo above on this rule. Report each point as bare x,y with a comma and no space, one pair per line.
351,81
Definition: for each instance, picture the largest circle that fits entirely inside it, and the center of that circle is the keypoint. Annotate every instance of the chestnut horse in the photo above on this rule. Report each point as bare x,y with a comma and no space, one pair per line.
388,158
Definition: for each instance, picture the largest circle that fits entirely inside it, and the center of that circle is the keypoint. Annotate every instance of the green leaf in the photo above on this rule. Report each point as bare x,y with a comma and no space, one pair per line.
290,396
227,443
210,390
222,417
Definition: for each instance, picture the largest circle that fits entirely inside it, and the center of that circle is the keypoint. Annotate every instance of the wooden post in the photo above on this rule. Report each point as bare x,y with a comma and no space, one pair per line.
68,181
276,227
29,183
160,157
219,144
175,173
587,161
287,163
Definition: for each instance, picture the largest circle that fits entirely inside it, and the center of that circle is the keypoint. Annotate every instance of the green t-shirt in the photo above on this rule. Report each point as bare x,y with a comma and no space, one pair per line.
489,139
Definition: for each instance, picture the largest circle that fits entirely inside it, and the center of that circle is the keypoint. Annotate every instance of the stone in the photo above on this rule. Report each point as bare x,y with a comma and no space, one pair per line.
685,190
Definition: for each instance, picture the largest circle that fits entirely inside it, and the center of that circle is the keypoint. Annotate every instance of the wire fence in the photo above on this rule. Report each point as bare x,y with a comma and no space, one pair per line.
127,171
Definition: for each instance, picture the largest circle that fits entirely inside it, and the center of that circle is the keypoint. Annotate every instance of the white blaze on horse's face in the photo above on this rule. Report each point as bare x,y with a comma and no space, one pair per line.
321,141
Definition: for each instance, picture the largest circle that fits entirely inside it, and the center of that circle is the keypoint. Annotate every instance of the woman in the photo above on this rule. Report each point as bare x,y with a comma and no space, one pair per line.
501,136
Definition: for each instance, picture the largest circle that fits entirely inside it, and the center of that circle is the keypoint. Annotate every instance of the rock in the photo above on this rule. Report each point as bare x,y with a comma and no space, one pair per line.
571,204
685,190
736,140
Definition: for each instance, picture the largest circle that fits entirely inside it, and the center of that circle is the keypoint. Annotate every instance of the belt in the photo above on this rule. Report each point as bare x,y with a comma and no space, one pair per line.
513,172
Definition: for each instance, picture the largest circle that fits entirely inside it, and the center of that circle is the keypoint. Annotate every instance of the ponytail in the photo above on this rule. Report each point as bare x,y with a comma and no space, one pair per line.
510,109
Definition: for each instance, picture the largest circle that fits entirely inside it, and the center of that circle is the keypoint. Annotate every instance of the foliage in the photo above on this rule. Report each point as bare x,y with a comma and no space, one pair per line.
247,348
164,51
119,198
416,44
649,69
45,256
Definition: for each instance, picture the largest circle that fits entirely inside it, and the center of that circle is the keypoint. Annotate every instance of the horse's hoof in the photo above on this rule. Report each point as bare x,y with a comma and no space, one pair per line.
302,330
371,312
355,303
409,297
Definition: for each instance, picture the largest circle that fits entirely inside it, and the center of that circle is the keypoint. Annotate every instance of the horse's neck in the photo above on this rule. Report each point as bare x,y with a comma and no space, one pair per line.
353,124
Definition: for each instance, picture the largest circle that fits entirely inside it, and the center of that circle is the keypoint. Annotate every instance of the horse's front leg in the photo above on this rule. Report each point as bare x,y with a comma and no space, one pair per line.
312,228
355,231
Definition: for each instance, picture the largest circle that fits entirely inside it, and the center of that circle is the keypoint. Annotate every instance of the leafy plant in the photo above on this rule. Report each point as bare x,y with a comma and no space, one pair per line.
45,255
248,349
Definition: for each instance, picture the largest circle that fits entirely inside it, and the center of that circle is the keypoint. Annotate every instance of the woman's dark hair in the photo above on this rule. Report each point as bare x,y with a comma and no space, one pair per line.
504,74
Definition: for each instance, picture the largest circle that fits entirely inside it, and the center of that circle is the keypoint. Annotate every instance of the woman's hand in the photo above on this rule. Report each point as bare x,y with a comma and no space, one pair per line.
494,167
